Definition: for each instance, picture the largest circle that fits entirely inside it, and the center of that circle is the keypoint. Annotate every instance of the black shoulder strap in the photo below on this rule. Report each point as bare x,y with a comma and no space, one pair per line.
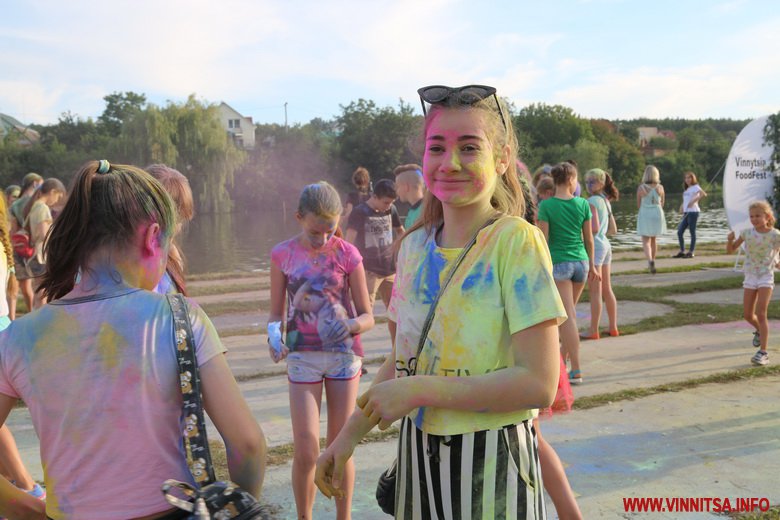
196,443
432,310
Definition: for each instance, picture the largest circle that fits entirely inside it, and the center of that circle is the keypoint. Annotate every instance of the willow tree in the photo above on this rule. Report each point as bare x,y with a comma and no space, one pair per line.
147,138
206,156
189,137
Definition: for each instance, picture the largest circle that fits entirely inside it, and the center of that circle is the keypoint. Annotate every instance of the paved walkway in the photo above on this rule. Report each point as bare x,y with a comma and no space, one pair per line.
718,440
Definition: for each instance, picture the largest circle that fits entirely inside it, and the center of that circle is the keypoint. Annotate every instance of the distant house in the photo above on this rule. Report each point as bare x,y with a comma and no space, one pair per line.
240,128
645,134
11,128
646,144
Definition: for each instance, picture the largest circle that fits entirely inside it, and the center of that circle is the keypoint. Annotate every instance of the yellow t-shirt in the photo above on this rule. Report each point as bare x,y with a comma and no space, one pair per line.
503,286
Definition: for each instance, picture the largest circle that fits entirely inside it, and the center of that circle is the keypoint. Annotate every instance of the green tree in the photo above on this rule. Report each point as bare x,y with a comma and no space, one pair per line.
587,154
548,125
376,138
188,136
120,107
624,162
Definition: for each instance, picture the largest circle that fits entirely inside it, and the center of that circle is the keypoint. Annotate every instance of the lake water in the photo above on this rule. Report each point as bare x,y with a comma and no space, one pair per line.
242,241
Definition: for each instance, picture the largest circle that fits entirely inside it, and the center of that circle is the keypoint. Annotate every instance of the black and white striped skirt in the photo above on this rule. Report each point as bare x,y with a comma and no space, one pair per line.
489,474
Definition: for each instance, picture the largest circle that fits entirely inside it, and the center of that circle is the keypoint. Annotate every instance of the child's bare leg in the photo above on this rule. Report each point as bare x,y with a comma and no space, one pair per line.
595,288
555,482
610,302
749,303
762,304
11,465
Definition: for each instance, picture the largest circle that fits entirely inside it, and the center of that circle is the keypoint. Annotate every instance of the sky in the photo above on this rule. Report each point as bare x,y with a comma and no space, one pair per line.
614,59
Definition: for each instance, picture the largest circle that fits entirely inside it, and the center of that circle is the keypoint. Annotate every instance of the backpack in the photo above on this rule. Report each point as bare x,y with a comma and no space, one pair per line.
22,244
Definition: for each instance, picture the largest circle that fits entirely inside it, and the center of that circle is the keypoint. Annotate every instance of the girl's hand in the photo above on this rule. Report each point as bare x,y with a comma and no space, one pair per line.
594,274
331,465
390,400
336,331
278,356
731,236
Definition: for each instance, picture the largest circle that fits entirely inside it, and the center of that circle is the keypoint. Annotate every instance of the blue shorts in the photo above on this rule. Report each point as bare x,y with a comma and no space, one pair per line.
571,271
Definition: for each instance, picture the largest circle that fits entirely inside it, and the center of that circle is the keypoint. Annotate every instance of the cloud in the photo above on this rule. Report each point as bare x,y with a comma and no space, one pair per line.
28,101
653,92
258,54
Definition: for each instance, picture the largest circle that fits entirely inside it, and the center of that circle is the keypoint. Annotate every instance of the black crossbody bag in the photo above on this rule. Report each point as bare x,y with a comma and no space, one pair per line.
385,489
210,499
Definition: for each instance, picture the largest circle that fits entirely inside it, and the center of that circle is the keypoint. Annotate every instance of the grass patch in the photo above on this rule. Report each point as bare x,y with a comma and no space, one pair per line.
702,249
210,290
281,454
626,292
661,294
742,374
685,268
205,277
278,455
222,308
772,514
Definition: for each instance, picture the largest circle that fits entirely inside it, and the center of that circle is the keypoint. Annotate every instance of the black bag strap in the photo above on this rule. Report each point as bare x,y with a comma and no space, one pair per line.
196,443
432,310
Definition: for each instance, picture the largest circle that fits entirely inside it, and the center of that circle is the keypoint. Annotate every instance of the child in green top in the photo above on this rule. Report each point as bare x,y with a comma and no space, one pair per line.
565,221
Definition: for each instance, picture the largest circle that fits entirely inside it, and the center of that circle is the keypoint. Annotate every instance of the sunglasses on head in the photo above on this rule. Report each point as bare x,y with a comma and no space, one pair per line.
465,96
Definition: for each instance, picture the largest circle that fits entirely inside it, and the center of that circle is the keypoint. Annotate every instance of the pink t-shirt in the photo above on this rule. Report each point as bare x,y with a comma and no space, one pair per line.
99,376
318,292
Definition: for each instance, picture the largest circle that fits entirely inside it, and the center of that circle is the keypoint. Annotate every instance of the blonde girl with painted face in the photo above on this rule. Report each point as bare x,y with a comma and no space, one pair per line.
491,354
97,366
762,246
319,278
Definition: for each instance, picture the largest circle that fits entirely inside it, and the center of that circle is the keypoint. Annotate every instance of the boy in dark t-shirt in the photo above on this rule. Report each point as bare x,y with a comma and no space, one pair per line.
372,228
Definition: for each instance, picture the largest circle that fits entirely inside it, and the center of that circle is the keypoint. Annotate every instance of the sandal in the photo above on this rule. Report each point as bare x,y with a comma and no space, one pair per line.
586,337
575,377
614,333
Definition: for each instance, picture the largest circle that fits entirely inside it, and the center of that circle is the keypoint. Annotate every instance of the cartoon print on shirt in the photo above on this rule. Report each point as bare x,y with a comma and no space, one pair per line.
313,307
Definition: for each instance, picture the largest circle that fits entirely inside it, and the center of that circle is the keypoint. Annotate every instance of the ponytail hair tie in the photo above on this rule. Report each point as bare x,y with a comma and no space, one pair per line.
103,166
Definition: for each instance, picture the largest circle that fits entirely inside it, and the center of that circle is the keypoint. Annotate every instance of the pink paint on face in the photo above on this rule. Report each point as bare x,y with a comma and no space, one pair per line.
459,167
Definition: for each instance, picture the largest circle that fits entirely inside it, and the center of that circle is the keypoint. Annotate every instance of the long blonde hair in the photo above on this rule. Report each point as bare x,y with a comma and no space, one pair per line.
5,239
508,195
651,176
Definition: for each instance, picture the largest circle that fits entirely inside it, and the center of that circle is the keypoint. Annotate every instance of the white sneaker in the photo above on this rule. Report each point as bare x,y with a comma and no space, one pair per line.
760,358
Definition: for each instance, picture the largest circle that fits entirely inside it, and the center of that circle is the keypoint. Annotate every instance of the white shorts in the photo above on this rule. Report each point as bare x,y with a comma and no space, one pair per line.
315,366
753,281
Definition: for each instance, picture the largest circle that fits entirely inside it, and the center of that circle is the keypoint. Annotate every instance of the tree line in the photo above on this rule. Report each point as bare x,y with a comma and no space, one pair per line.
189,136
